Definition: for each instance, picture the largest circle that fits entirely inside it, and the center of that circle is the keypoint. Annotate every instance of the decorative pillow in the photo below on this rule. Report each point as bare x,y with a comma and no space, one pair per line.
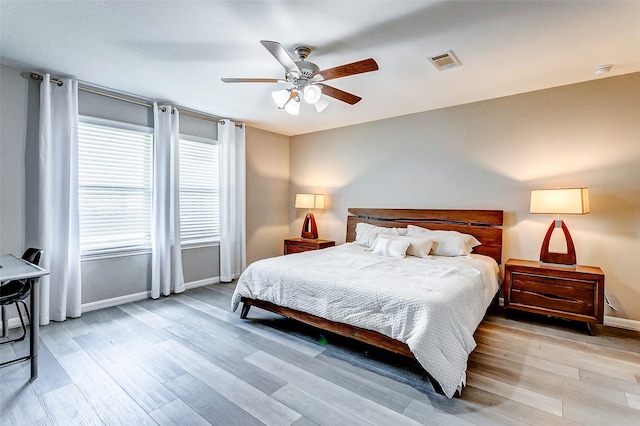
447,243
392,248
366,234
418,245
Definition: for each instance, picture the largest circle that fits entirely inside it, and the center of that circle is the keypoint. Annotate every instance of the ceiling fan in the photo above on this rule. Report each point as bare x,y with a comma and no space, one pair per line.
307,79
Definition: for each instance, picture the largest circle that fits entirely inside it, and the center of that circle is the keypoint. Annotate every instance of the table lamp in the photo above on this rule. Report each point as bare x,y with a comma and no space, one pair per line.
559,201
309,201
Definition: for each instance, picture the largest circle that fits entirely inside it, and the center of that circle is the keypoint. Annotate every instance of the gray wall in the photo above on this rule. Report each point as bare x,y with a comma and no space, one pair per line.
102,279
13,130
489,155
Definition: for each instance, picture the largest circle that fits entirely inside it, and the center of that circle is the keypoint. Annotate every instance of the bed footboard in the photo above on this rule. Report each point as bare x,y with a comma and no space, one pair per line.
366,336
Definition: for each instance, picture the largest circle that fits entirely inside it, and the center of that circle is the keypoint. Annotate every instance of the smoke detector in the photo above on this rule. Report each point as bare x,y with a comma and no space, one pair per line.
445,61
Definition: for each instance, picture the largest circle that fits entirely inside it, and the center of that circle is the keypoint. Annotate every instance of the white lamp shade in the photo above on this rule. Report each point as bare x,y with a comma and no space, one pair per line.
310,201
280,97
560,201
321,104
312,94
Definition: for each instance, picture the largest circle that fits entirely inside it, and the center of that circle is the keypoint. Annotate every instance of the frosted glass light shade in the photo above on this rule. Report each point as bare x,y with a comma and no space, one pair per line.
293,106
280,97
321,104
560,201
312,93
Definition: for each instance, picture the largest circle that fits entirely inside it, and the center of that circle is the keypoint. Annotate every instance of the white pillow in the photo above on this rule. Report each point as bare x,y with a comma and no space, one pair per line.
366,234
389,247
418,245
447,243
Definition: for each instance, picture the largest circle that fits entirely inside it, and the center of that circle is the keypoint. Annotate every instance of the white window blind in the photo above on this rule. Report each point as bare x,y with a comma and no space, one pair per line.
115,171
199,192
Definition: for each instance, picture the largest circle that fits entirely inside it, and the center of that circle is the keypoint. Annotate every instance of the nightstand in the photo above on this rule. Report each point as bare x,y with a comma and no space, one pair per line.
573,294
298,245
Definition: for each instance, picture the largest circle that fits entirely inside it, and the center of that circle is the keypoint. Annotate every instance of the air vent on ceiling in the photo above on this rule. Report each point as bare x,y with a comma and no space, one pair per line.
445,61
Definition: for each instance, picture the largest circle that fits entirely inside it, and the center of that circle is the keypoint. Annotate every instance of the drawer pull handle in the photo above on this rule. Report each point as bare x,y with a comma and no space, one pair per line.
568,299
555,296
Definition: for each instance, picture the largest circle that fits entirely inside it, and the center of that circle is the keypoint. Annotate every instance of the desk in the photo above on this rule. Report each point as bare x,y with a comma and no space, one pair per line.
14,268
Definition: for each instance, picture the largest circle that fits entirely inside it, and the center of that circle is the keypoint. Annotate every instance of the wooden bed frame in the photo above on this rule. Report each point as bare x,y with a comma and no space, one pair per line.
485,225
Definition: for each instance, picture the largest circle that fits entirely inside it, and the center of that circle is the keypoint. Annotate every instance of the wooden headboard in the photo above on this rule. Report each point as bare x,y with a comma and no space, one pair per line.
485,225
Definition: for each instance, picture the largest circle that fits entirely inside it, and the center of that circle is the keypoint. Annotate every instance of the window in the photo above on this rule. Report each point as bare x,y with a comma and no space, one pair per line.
199,191
115,172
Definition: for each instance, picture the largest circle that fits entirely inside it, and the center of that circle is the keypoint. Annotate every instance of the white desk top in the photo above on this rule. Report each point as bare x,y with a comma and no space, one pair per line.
13,268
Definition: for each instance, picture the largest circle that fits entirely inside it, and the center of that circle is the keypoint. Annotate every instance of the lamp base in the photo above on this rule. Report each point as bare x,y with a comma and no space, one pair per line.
567,259
309,228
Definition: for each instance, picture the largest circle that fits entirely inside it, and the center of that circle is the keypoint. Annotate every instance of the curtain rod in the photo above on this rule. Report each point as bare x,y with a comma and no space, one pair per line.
84,88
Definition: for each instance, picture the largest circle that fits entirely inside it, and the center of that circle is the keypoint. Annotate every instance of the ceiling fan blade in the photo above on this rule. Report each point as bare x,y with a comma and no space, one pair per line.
253,80
281,55
340,95
353,68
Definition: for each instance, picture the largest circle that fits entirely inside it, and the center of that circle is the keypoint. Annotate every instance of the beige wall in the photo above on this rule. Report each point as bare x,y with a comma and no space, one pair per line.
267,193
488,155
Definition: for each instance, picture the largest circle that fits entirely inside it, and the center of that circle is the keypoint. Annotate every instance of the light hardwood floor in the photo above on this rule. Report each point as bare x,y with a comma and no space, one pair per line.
187,360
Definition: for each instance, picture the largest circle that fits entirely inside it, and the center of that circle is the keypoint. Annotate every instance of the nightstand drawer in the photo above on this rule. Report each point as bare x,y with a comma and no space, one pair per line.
573,296
298,248
299,245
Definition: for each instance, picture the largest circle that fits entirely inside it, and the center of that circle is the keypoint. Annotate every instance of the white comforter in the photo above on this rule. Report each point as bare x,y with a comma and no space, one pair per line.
434,304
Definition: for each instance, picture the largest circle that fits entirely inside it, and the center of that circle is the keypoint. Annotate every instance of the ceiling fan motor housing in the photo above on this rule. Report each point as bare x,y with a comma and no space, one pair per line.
306,68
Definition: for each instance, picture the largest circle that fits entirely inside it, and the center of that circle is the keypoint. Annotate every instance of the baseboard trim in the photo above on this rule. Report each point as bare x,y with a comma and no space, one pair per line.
15,323
115,301
201,283
627,324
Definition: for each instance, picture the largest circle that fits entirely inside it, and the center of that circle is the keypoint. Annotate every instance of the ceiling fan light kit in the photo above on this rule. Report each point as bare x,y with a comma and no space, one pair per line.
307,79
287,99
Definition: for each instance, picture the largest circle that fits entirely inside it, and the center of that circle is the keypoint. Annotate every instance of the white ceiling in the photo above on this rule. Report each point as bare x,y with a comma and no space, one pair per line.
178,50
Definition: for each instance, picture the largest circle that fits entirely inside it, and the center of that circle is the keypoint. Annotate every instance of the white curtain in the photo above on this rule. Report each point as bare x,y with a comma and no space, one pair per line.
233,258
58,232
166,257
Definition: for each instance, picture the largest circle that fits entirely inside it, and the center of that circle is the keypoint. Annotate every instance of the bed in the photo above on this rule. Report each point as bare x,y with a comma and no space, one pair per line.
422,306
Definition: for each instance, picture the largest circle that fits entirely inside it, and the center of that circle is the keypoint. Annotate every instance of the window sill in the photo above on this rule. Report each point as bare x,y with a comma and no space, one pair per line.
114,254
143,251
197,245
